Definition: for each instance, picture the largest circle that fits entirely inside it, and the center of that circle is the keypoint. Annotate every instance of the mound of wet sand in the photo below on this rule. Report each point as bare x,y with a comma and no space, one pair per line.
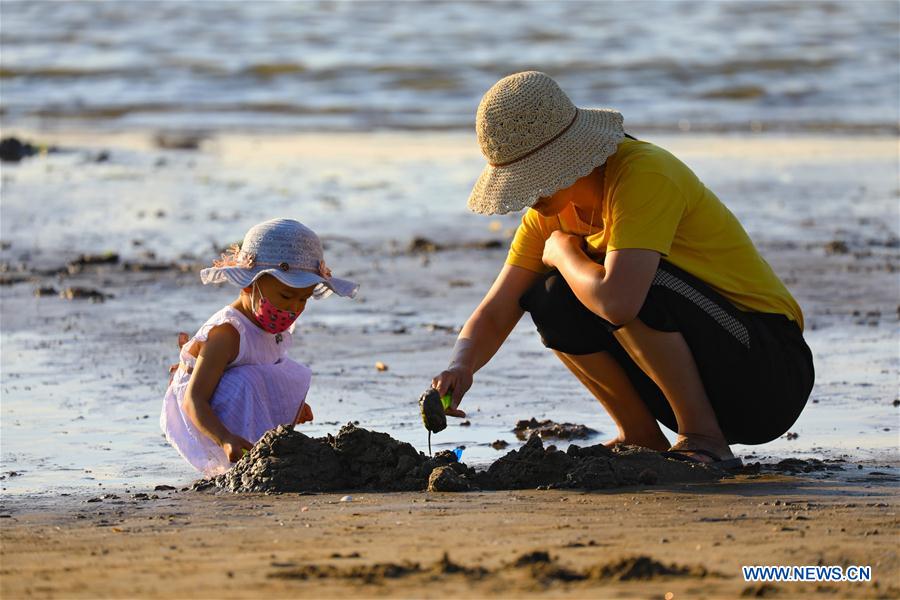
285,461
547,429
591,467
536,567
448,479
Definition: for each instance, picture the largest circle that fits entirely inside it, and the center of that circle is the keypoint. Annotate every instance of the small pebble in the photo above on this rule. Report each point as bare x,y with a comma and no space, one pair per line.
347,499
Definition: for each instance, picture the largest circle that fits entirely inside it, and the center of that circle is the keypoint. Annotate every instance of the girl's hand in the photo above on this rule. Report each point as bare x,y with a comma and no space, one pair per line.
305,415
456,380
234,447
558,246
183,339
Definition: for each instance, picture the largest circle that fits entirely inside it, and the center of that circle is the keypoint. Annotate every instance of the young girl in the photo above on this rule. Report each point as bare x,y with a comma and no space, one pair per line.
234,380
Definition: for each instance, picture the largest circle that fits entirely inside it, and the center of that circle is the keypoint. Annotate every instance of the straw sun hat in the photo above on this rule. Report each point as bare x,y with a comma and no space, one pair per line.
536,142
286,249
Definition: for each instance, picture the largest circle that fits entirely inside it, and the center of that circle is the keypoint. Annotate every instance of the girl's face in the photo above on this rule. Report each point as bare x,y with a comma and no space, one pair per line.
281,295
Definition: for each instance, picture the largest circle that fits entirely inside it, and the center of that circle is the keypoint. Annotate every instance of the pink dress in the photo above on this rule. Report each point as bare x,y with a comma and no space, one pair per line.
261,389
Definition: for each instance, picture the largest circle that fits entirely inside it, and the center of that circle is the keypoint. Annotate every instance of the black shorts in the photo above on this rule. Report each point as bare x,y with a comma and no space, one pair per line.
756,367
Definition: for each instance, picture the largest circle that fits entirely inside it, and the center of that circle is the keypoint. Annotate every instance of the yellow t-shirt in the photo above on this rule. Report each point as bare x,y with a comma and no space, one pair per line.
652,200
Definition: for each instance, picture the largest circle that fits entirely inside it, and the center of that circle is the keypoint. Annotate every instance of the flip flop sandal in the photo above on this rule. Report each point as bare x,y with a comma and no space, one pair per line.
684,455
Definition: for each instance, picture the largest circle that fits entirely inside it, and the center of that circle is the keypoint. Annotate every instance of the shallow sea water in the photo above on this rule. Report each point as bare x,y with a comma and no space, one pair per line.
362,66
82,383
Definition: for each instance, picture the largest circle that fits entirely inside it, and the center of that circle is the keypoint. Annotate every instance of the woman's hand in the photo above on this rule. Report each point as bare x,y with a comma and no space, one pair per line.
234,446
559,245
456,381
305,415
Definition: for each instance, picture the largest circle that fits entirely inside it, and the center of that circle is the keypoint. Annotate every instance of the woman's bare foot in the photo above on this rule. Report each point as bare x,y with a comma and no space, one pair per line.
659,444
687,442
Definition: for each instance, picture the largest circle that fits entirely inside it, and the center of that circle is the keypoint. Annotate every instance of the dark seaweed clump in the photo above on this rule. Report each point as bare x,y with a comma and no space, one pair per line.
432,409
546,429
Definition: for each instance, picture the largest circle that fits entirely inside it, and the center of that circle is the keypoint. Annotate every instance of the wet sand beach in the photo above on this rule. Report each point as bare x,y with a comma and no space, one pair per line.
83,380
689,541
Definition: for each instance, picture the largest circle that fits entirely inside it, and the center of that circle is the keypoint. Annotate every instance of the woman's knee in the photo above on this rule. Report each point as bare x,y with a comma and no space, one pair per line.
553,305
545,298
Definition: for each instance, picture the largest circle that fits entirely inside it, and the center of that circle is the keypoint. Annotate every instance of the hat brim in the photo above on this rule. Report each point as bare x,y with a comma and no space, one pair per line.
243,277
593,137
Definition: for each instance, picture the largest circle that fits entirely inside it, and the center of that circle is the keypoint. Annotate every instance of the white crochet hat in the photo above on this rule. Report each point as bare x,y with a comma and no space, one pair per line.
536,142
285,249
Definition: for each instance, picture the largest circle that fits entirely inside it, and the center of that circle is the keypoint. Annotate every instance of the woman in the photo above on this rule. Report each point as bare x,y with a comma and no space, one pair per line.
639,279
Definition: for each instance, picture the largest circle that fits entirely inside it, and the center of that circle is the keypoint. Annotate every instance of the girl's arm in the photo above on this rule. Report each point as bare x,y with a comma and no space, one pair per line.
484,332
221,347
